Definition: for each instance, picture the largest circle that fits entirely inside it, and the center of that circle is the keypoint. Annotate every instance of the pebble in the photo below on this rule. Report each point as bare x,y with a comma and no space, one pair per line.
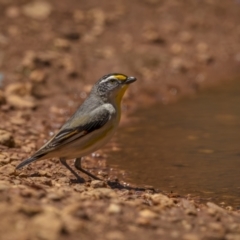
38,10
37,76
7,169
12,12
30,210
229,208
146,213
28,60
55,196
115,235
79,188
142,221
20,102
153,36
114,208
44,173
179,65
20,89
176,48
17,120
191,236
213,209
185,37
190,209
98,184
99,193
6,138
68,65
4,161
62,44
205,58
202,47
161,200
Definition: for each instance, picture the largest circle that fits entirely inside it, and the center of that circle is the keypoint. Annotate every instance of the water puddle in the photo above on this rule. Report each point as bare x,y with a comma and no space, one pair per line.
190,147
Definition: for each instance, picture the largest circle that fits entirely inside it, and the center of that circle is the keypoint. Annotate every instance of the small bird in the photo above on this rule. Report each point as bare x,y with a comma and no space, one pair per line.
90,127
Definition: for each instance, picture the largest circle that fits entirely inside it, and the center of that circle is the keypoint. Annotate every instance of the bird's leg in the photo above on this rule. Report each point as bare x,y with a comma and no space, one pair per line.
64,163
78,166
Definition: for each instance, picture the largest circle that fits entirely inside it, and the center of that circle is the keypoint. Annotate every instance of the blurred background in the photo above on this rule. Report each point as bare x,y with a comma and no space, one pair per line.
172,47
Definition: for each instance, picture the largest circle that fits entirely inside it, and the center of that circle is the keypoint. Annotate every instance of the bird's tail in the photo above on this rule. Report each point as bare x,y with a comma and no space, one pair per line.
29,160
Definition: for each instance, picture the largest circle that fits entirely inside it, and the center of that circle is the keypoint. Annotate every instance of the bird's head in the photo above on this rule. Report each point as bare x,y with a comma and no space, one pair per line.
113,86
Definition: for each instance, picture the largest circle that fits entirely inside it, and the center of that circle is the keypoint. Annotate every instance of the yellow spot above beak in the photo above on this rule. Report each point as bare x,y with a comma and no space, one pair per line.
120,77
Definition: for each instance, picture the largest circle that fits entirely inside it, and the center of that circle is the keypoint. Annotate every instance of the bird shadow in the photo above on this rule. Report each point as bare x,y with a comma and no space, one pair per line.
117,185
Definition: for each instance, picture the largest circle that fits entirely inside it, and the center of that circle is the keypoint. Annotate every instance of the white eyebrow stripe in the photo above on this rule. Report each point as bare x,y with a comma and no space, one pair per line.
110,77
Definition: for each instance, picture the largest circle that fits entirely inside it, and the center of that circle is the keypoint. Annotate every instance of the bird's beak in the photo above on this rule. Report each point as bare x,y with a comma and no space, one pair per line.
130,80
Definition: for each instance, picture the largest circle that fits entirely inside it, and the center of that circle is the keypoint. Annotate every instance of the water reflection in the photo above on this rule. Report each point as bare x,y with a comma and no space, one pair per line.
192,146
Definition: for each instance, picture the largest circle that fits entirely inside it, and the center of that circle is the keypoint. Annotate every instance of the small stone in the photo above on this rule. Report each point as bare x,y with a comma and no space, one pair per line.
7,169
78,16
107,52
68,65
6,138
180,65
176,48
79,188
202,47
146,213
142,221
185,37
55,196
17,121
37,76
217,227
98,193
87,88
21,102
28,60
205,58
213,209
187,226
114,208
115,235
44,173
30,210
13,31
4,161
98,184
189,207
20,89
38,10
71,224
191,236
162,200
61,43
153,36
12,12
229,208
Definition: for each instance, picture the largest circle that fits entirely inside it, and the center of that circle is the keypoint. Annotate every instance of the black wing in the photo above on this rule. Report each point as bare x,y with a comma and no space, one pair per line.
64,136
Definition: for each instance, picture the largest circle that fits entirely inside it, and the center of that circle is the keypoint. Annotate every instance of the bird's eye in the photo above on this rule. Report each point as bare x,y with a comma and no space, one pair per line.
112,81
